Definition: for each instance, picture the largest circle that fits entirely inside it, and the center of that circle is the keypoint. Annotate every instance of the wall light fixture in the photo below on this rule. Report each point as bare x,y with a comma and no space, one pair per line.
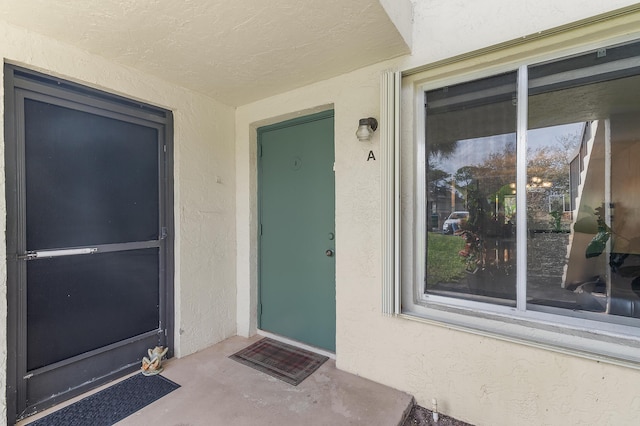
366,128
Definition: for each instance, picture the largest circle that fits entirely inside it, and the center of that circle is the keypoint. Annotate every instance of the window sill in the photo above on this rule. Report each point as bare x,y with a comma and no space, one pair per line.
610,348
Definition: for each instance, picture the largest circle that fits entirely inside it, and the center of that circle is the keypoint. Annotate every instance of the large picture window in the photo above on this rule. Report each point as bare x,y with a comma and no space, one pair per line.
570,245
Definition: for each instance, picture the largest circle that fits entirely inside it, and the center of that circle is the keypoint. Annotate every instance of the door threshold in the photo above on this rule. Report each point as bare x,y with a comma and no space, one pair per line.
297,344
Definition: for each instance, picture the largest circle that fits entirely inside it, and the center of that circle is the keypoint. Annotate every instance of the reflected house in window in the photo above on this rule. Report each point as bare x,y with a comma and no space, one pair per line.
604,254
601,90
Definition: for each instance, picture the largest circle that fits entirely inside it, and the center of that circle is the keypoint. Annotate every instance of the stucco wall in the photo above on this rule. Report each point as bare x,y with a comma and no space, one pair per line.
475,378
204,186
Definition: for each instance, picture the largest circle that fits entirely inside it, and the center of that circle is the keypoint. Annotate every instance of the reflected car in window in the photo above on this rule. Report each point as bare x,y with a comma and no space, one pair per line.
454,221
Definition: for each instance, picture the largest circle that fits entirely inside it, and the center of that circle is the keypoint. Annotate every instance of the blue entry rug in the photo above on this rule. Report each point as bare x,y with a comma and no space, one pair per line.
112,404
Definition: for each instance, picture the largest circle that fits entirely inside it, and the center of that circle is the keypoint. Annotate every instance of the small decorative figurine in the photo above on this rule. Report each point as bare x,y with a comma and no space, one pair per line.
153,364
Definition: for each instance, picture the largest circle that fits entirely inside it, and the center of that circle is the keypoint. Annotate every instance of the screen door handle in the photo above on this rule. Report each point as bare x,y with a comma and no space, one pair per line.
59,253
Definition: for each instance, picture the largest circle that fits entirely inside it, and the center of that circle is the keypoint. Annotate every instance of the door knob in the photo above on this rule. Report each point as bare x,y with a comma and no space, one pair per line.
329,253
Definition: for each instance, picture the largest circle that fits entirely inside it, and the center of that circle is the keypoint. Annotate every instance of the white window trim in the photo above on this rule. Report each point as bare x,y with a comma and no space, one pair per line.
613,343
521,190
390,168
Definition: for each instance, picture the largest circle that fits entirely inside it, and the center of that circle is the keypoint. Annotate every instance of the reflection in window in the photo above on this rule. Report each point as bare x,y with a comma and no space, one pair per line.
550,151
582,185
471,146
584,141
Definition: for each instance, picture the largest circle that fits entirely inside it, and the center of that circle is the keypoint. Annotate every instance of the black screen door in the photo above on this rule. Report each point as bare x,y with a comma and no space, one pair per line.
91,228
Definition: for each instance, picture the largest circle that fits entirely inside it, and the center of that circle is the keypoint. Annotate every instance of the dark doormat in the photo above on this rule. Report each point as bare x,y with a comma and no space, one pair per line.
280,360
112,404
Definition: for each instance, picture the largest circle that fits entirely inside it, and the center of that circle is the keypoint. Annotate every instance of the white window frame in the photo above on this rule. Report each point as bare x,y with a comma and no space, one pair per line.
573,333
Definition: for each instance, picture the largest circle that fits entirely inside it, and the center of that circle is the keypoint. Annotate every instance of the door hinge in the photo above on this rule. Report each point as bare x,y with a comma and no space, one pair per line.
260,230
260,150
163,233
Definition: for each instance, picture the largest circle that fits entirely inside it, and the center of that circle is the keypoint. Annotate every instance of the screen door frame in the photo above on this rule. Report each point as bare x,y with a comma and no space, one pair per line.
17,79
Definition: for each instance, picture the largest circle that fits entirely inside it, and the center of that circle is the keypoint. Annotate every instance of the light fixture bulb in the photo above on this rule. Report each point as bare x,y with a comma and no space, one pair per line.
364,132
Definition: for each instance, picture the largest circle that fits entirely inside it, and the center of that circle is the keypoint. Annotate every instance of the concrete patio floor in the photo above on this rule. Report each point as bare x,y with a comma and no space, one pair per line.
216,390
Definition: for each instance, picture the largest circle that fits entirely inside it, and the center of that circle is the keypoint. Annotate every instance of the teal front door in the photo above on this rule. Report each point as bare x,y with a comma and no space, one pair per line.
297,241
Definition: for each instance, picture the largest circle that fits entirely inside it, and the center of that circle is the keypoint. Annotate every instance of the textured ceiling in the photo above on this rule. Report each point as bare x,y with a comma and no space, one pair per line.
235,51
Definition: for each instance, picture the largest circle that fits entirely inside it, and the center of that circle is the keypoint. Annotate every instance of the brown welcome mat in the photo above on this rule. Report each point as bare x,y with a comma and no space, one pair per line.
280,360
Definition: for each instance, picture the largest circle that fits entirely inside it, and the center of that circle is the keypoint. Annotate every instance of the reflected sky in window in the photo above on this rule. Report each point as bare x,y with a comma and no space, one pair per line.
476,151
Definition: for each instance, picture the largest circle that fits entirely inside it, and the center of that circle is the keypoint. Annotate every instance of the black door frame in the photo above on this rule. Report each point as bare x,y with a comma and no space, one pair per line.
19,79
